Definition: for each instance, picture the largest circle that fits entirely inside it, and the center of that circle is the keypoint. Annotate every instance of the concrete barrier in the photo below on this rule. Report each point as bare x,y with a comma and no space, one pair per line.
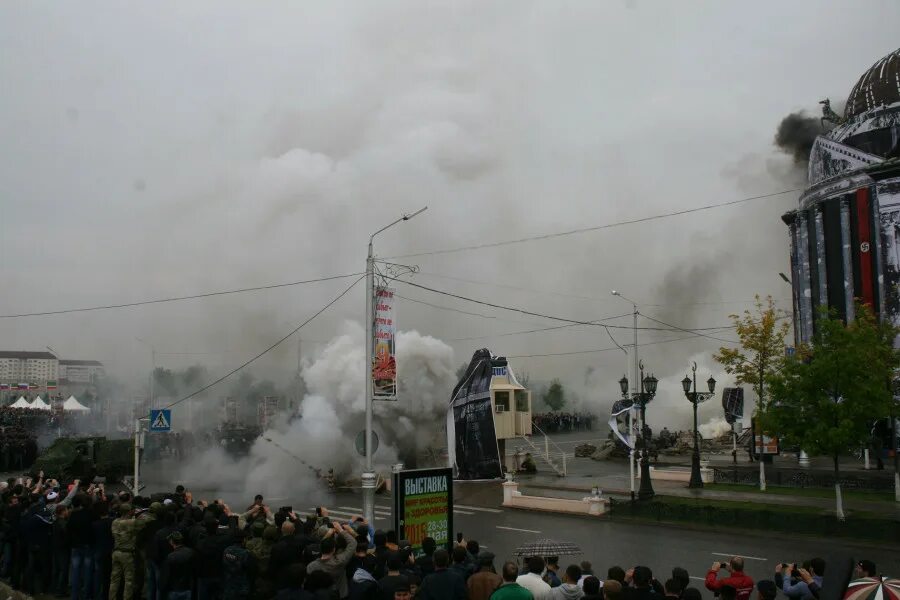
675,474
594,506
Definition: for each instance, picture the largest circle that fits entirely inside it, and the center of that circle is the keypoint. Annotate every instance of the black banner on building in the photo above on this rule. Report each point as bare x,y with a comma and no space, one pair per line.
423,506
733,404
471,437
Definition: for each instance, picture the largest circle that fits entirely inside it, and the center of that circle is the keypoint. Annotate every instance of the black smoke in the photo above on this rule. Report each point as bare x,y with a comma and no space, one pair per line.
795,136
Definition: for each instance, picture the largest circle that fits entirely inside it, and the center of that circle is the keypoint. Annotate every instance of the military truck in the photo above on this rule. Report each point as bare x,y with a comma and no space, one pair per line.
236,438
85,458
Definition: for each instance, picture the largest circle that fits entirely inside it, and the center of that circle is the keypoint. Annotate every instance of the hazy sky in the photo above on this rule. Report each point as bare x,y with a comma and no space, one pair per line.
151,150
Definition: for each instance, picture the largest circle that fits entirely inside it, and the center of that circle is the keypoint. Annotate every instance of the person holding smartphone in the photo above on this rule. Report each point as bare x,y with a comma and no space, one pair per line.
742,583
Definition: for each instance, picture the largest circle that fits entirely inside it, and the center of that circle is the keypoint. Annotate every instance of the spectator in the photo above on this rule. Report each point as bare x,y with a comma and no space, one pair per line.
533,580
443,584
177,577
238,568
552,576
591,587
461,562
388,584
403,593
362,547
682,577
80,538
483,583
587,570
425,562
334,562
727,592
793,586
362,585
616,574
568,589
673,588
766,589
613,589
742,583
511,589
691,593
294,576
865,568
640,578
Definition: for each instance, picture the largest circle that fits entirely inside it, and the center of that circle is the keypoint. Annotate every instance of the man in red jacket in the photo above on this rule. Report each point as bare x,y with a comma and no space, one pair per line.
743,584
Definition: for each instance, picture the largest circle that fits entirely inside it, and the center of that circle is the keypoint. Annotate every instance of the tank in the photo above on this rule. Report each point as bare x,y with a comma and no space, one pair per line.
85,458
236,438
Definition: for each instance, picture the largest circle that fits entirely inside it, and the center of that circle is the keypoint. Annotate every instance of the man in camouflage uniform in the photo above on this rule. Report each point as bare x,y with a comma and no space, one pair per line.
125,530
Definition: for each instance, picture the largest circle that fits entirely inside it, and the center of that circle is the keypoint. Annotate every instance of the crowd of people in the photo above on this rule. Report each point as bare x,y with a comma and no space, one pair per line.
81,542
554,422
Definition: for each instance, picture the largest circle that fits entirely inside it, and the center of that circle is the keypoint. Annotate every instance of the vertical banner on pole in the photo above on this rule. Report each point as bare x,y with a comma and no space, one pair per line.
384,363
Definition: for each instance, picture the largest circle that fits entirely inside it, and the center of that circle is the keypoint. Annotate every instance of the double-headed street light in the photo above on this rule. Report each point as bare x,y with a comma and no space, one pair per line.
642,398
695,398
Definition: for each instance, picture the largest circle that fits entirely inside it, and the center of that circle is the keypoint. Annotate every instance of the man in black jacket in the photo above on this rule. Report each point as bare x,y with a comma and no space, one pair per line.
443,584
177,577
80,537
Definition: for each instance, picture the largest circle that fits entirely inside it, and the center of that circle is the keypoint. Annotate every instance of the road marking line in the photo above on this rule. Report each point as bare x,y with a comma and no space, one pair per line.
349,515
456,511
698,578
730,555
478,508
516,529
359,510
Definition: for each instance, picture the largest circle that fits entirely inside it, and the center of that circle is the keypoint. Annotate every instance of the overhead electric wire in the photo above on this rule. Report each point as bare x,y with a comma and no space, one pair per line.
689,330
179,298
270,348
510,308
555,318
575,296
547,236
680,339
510,333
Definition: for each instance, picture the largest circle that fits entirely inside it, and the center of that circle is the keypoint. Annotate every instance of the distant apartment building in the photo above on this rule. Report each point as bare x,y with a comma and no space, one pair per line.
19,366
80,371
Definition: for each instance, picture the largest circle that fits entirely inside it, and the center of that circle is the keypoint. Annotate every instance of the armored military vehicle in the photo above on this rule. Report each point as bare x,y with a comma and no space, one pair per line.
236,438
85,458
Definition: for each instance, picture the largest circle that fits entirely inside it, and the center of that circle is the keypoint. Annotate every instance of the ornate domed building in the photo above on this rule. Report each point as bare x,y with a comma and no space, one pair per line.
845,234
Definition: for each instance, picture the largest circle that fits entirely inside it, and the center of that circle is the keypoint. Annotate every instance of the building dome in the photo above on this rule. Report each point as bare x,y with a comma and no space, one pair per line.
879,86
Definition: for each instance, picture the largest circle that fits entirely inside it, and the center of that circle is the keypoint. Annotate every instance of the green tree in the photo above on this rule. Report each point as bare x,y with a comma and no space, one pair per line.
554,396
826,397
759,355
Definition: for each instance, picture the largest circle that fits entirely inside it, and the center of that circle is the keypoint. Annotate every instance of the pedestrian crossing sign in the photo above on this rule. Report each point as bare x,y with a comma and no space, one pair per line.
161,419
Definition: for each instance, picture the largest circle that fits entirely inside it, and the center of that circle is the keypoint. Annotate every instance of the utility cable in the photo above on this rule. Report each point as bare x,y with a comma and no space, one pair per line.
694,331
270,348
555,318
548,236
679,339
179,298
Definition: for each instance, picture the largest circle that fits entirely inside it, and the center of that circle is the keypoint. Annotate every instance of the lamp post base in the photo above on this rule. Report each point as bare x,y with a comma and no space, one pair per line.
696,480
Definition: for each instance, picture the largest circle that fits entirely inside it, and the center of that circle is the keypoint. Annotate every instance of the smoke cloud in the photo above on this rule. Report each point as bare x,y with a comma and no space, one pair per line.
302,447
795,136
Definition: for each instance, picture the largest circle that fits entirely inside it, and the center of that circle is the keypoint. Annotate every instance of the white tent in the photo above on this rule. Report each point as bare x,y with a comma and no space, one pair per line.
73,404
38,403
20,403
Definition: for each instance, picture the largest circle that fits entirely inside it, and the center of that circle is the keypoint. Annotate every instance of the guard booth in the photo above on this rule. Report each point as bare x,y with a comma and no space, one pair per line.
510,403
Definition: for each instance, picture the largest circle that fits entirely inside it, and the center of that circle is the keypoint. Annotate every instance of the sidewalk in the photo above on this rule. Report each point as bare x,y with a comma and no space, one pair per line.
611,477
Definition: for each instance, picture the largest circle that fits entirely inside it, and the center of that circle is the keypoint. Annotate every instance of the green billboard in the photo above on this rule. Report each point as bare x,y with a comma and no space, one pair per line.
423,506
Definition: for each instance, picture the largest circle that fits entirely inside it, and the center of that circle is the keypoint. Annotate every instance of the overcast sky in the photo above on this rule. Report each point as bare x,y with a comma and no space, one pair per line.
151,150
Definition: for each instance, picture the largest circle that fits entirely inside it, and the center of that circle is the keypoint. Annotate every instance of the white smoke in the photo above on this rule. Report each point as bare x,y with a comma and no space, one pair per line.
715,427
331,414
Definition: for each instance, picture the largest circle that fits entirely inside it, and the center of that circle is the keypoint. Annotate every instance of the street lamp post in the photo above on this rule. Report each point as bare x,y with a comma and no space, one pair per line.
634,354
642,398
368,478
695,398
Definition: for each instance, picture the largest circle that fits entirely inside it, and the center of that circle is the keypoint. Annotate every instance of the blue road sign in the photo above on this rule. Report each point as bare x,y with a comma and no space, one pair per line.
161,419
